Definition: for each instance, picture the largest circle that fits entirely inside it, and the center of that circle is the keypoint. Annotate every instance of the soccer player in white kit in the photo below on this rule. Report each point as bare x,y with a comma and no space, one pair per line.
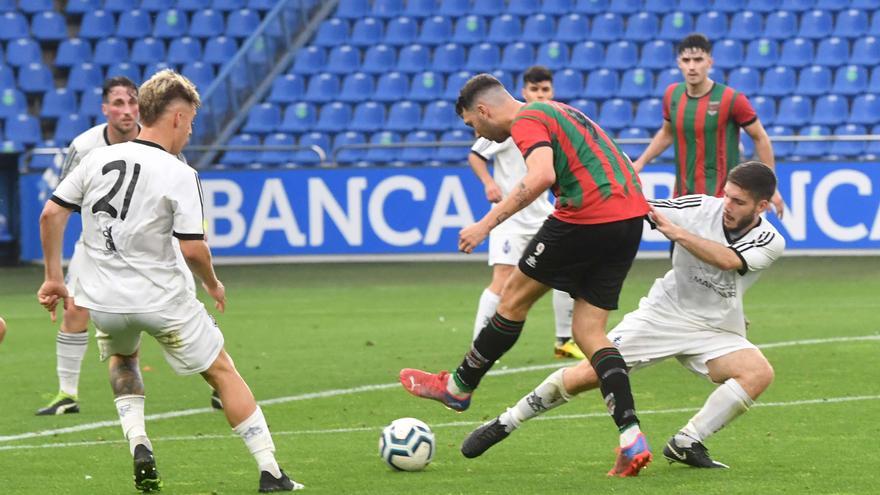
508,241
133,198
694,314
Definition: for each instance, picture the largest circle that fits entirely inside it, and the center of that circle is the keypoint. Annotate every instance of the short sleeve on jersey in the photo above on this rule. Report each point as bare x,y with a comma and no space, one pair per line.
743,113
69,192
758,250
485,148
529,134
186,202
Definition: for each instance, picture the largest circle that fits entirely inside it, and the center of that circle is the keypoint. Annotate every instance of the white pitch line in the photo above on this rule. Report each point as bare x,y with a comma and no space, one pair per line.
369,388
560,417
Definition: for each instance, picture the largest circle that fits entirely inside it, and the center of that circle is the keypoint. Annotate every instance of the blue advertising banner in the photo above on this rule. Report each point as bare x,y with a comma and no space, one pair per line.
830,207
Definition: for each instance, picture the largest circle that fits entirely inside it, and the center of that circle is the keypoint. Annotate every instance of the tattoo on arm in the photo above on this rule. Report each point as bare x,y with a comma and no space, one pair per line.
523,199
125,376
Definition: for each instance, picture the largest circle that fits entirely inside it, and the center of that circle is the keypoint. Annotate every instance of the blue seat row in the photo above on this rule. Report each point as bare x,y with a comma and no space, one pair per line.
168,24
182,50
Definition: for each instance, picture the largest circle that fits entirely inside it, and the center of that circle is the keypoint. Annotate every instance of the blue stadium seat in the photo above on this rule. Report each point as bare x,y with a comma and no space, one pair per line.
587,55
873,147
131,71
420,8
539,28
557,7
310,60
454,8
387,9
343,59
23,128
455,154
298,117
369,116
660,6
42,161
761,53
154,6
391,87
263,118
780,25
207,23
426,86
763,6
147,51
332,32
81,6
454,83
587,107
379,59
781,149
621,55
712,22
200,73
184,50
13,25
854,149
384,155
830,110
649,114
90,103
694,6
643,26
675,26
97,24
794,111
747,145
573,28
797,53
658,54
72,51
625,7
414,58
745,26
489,8
633,150
119,6
601,84
401,31
636,83
287,88
335,117
240,158
12,102
368,31
569,85
36,78
322,88
797,5
109,51
7,76
220,50
730,6
591,6
728,54
866,51
418,155
36,6
553,55
779,81
85,76
348,156
353,9
192,5
484,57
852,23
505,77
816,24
404,116
746,80
842,4
439,116
524,7
469,30
865,110
58,102
242,23
607,27
356,87
664,79
435,30
517,57
814,80
134,24
832,52
23,51
70,126
615,114
850,80
765,108
49,26
813,149
449,58
873,83
276,157
504,29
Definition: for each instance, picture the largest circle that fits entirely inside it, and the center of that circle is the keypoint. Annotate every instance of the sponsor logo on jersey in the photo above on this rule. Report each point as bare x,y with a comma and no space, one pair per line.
713,107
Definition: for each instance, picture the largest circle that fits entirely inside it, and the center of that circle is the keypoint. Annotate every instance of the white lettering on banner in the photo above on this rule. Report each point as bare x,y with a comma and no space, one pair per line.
875,230
451,191
273,194
795,218
376,209
651,182
321,201
820,204
229,212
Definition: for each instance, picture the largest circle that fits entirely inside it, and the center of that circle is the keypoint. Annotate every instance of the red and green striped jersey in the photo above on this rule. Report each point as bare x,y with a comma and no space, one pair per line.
705,132
595,181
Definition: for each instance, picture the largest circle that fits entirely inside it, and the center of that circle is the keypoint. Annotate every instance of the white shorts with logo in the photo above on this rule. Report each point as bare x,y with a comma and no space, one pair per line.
644,338
189,336
507,249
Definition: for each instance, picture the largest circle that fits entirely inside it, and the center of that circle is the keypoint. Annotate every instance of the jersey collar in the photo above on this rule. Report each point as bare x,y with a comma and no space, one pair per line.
148,143
731,239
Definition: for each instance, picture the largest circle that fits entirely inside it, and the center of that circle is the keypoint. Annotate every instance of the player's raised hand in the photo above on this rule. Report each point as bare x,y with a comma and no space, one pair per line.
49,294
218,293
471,236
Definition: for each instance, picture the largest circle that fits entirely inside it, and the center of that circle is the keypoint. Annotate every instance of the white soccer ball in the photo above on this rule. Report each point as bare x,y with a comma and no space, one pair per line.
407,444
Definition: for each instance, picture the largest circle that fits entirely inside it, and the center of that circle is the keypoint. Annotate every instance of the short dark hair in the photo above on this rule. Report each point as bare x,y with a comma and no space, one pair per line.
697,41
536,74
755,178
473,88
113,82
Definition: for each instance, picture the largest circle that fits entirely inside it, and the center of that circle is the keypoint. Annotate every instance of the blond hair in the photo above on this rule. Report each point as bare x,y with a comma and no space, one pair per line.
157,93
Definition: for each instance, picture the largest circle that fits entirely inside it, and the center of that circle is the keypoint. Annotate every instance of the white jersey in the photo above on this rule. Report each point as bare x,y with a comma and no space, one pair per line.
133,198
699,292
508,171
96,137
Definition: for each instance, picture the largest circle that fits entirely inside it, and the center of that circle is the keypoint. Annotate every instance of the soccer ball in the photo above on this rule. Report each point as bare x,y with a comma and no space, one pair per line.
407,444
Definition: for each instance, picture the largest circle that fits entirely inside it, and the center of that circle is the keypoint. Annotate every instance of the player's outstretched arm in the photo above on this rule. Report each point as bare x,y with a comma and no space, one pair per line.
198,256
53,220
714,253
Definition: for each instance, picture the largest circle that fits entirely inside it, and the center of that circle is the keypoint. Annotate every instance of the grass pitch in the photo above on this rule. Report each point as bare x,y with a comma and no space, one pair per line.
323,344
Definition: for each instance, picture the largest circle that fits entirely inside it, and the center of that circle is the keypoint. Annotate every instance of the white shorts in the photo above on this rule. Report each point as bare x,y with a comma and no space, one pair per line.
189,336
73,267
645,338
507,249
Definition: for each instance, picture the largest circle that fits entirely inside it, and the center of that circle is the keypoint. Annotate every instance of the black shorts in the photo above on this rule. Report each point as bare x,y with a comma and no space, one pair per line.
587,261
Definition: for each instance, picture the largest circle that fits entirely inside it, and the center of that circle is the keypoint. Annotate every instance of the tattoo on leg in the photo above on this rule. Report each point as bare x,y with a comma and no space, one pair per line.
125,377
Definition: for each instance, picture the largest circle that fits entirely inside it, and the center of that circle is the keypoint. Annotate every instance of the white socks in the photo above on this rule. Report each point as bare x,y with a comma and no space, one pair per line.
724,405
258,440
485,310
131,416
546,396
70,348
563,307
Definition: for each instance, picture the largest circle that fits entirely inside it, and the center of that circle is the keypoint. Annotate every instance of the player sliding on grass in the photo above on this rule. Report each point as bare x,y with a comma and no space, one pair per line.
585,248
694,313
134,197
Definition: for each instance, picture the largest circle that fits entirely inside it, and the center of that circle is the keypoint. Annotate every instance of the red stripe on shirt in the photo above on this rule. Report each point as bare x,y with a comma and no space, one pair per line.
682,143
700,144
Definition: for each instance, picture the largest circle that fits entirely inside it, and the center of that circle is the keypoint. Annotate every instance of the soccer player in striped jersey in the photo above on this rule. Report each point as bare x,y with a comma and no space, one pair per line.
585,248
694,314
702,118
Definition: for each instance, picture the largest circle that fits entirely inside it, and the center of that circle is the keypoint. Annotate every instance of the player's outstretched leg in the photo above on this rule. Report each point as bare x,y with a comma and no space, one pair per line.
434,386
146,477
484,437
71,344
